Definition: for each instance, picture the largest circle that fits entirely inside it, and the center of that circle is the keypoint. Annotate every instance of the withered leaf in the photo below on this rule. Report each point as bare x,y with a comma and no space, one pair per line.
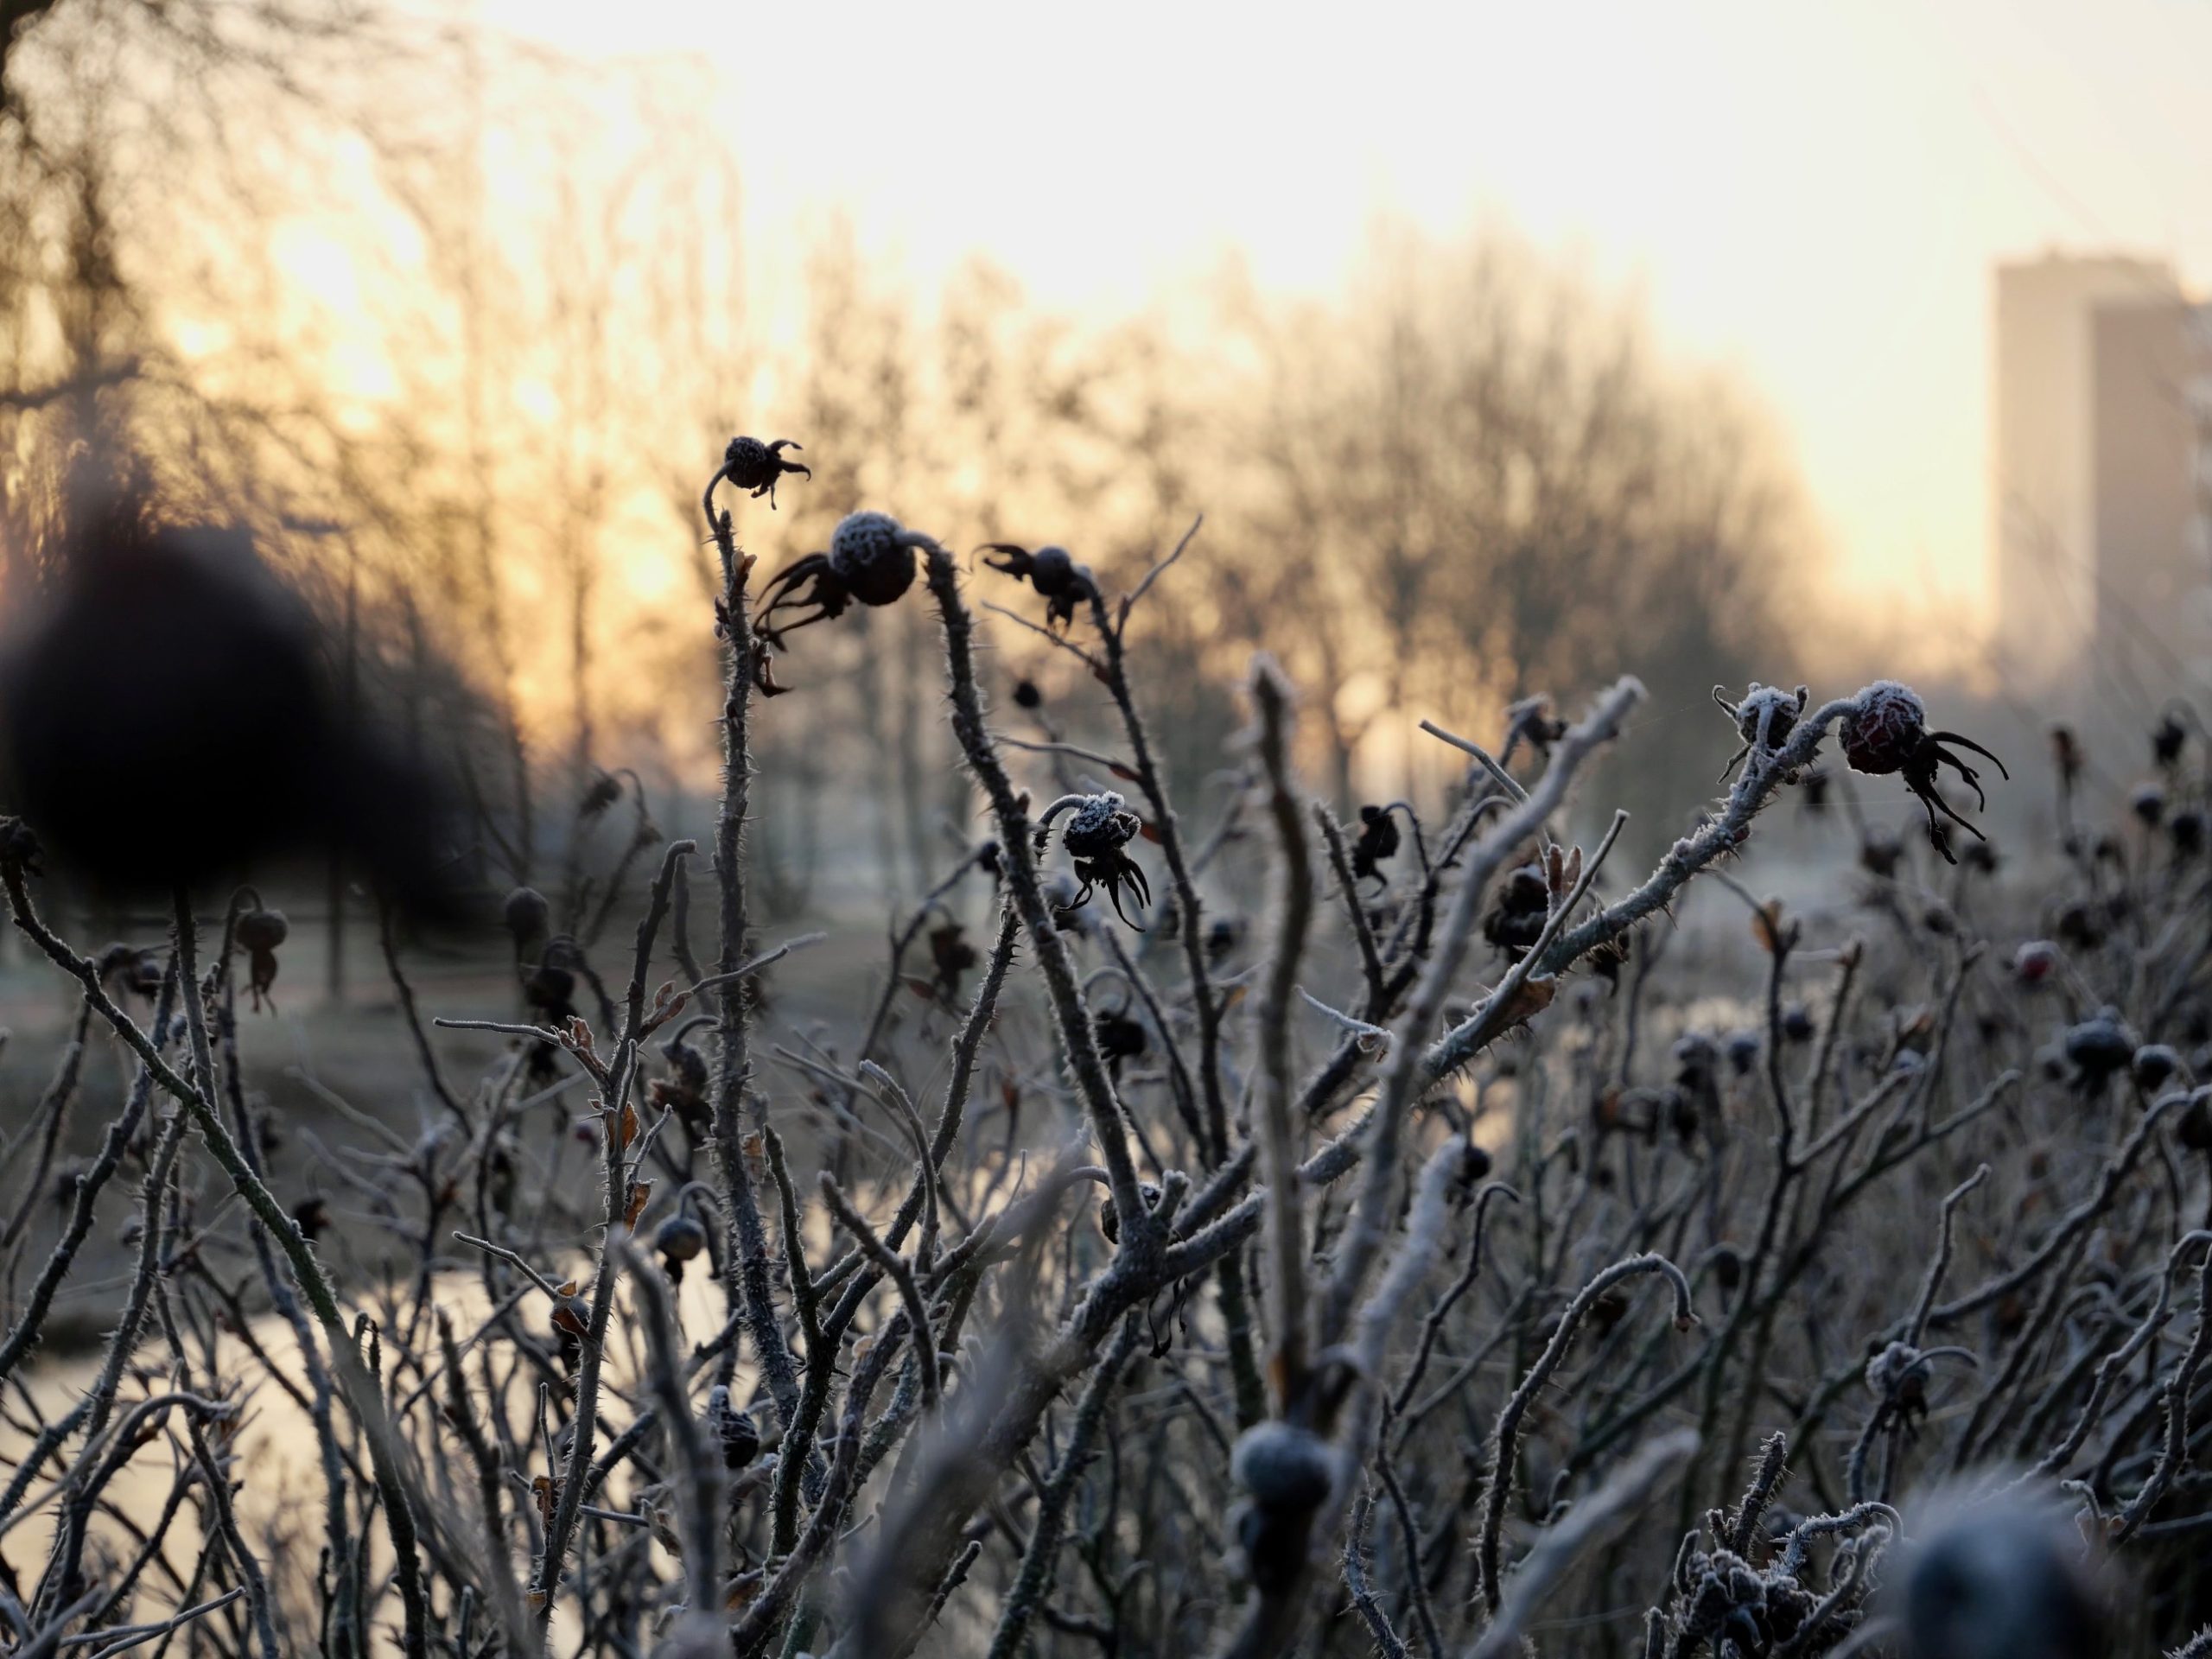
1774,935
1530,997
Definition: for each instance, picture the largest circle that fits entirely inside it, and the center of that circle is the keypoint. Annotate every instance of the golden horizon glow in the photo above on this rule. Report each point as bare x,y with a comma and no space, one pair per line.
1810,196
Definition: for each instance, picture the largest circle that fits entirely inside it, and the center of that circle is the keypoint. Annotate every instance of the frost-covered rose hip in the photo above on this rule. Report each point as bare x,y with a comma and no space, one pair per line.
1886,730
1051,571
870,560
1095,837
754,467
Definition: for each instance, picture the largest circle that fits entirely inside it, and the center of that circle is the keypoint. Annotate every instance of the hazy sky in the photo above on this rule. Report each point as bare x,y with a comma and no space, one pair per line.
1811,193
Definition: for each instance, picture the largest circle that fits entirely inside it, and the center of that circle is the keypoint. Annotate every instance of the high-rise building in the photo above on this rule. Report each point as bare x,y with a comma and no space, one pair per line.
2103,475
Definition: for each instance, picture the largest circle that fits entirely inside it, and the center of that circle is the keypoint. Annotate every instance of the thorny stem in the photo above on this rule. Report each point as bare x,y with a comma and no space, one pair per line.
1034,1582
1411,1068
1287,1309
1506,1442
1205,1006
31,1325
360,1390
1077,1040
751,1285
616,1122
1722,834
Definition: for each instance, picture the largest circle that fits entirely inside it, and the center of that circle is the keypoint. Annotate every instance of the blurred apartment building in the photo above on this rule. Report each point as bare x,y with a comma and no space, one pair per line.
2102,507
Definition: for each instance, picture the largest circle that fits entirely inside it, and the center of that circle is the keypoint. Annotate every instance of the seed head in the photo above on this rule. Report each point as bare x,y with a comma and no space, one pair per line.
2098,1048
2167,739
1053,571
736,1435
1378,840
871,560
754,467
2153,1064
261,932
1884,727
679,1239
1283,1466
2005,1579
527,916
1743,1052
1886,730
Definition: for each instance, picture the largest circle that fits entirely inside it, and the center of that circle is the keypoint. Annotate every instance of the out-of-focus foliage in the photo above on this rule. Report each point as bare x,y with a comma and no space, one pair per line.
437,312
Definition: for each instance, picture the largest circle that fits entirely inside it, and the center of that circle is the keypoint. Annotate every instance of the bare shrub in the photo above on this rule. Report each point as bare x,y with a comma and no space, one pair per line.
1413,1266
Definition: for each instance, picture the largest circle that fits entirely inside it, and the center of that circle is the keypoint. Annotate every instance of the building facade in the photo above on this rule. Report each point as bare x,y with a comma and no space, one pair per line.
2102,464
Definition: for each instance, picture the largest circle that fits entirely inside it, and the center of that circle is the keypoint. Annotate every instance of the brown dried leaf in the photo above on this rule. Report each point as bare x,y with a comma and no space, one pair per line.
1530,999
1607,1108
668,1002
1774,935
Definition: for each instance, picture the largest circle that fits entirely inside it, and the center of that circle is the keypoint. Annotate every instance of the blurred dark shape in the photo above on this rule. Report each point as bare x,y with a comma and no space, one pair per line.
165,716
1881,852
261,932
2099,1048
735,1433
1531,720
131,968
528,916
2008,1577
952,956
550,991
2186,829
2153,1064
1516,915
1378,840
2066,755
684,1090
2167,738
312,1216
1224,935
1120,1038
605,789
